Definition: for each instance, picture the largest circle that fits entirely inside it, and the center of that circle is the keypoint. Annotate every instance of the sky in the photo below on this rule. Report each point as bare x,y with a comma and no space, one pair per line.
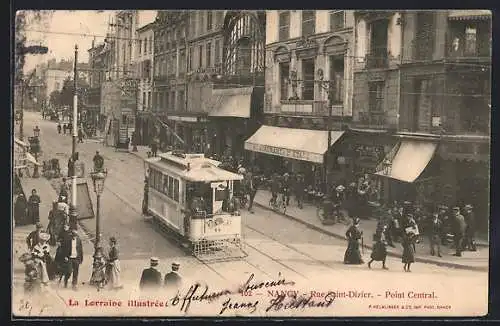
64,28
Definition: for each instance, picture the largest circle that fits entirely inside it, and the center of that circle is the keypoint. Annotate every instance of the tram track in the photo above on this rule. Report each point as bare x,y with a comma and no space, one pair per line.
117,181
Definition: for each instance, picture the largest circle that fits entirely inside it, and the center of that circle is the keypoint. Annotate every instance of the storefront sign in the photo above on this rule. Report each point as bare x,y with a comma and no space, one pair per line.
285,152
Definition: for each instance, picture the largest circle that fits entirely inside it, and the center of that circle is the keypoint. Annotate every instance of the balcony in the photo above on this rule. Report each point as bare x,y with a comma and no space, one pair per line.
377,58
304,108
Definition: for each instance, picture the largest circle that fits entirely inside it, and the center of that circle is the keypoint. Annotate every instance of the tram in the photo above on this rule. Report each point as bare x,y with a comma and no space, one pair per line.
190,196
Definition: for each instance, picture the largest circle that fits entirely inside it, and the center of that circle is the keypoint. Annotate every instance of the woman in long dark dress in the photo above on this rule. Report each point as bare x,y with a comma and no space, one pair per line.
408,250
34,207
20,211
379,252
352,254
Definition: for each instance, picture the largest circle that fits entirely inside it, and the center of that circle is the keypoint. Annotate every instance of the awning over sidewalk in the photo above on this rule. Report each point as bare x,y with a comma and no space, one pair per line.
299,144
32,159
410,160
231,102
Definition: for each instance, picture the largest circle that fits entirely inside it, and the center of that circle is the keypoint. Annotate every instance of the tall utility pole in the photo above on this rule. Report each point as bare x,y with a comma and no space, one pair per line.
73,211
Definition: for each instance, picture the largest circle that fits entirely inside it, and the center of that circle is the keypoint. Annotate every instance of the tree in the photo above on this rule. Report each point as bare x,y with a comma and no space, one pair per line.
67,91
55,99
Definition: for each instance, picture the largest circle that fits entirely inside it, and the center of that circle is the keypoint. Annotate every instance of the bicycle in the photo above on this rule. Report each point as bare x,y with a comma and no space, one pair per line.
278,205
330,219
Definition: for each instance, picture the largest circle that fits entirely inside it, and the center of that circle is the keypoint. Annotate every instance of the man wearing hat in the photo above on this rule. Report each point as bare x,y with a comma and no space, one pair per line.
34,236
338,198
151,277
470,230
173,279
435,231
444,218
73,254
459,231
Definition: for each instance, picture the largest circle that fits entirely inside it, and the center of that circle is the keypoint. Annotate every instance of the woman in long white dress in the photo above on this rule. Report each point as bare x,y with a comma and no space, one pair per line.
114,269
40,254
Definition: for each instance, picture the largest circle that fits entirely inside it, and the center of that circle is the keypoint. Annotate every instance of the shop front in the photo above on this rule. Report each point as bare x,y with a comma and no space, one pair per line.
234,117
277,149
193,130
411,172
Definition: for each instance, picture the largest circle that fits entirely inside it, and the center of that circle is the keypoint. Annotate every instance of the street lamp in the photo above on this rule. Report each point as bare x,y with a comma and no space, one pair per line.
98,179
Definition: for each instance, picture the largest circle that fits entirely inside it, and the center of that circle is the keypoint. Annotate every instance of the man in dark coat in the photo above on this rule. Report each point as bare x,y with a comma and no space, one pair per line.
34,207
275,188
254,184
151,277
435,229
458,231
172,279
20,211
445,219
470,230
59,128
34,236
98,162
73,254
299,186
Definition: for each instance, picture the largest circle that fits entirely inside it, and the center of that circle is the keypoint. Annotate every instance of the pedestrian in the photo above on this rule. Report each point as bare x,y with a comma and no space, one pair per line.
299,190
254,187
59,128
389,222
408,256
80,135
34,207
20,211
151,277
275,188
65,127
98,162
73,250
32,283
154,146
41,256
71,167
113,265
98,277
34,237
285,187
354,235
172,279
446,225
64,235
459,227
70,128
379,252
470,231
435,231
63,190
62,266
338,200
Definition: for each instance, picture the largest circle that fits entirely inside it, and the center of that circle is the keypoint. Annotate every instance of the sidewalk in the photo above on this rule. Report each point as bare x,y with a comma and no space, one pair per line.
478,260
470,260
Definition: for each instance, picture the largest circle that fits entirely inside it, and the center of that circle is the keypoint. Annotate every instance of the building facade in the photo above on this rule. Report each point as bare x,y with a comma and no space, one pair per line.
308,90
144,59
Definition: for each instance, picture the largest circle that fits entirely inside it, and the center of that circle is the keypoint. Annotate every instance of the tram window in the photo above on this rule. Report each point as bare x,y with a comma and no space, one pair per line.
176,190
170,187
165,184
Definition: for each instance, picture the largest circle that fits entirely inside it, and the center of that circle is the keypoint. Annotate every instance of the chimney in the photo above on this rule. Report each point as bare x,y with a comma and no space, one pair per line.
93,43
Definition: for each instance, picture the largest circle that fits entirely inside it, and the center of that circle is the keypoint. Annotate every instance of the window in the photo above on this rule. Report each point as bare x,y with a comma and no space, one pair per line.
181,100
149,100
470,40
167,185
140,47
209,54
337,20
200,56
182,61
284,25
172,100
308,22
143,100
376,96
176,190
243,57
174,63
378,44
145,46
308,70
209,20
284,75
190,59
424,38
217,52
165,101
336,91
150,46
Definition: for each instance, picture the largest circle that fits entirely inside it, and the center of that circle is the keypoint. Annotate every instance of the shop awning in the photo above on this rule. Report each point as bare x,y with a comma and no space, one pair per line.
469,14
32,159
231,102
299,144
410,160
20,142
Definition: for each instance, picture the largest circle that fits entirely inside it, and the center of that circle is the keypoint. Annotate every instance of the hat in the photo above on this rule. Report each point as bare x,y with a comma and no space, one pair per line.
75,231
340,188
468,206
25,257
443,207
175,266
44,236
456,209
112,239
154,261
39,226
356,220
98,254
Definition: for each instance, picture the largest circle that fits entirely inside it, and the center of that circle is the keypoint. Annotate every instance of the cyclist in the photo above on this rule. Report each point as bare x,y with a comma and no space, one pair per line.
299,189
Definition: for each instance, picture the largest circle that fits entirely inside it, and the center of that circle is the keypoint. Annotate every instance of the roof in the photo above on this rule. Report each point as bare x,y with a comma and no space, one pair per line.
193,167
470,14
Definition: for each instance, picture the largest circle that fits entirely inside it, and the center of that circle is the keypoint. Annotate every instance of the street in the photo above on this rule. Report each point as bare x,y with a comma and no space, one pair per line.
277,247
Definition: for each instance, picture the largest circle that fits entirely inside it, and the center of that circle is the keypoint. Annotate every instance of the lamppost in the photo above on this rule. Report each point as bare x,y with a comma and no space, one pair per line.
36,150
98,179
73,213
